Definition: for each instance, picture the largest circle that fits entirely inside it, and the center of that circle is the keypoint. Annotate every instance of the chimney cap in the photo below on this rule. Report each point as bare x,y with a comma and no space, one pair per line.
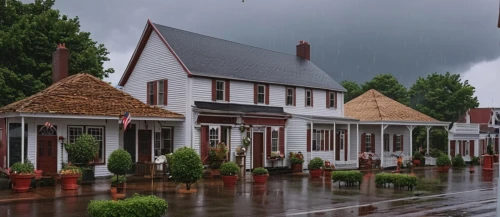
301,42
61,45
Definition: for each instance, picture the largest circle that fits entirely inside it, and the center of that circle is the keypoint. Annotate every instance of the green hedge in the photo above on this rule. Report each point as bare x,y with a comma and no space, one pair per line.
458,161
398,180
348,177
150,206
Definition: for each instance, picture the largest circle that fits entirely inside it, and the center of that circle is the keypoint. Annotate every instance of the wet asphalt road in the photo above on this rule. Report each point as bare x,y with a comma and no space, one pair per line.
457,193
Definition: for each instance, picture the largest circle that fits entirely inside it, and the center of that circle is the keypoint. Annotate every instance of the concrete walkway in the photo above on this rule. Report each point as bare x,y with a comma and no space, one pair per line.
457,193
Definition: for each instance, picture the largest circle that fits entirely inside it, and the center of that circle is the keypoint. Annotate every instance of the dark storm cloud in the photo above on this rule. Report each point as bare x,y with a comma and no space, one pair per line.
351,39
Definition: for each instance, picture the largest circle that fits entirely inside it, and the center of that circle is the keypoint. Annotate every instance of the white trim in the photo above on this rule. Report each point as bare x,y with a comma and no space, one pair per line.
310,100
411,123
22,140
46,115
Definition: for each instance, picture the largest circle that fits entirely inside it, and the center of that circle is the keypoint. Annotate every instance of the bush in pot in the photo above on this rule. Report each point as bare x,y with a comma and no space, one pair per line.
137,205
260,175
216,157
118,184
119,163
296,160
186,166
21,176
315,167
458,161
417,158
69,177
82,153
443,163
229,172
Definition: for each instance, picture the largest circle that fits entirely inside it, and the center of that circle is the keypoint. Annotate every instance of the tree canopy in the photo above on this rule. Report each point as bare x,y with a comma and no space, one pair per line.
388,85
353,90
29,33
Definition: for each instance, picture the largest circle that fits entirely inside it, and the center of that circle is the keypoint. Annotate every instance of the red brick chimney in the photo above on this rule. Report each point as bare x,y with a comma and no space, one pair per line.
60,62
304,50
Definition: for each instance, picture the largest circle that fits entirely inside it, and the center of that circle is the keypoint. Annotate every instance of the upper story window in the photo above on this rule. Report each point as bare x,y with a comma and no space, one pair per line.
161,92
151,94
290,96
331,100
368,143
219,90
261,93
309,98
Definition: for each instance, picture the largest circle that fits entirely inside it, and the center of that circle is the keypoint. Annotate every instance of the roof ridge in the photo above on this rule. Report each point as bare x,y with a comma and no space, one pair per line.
376,103
227,40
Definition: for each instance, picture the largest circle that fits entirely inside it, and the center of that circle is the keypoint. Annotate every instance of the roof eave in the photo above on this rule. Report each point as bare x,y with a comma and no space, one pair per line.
93,117
411,123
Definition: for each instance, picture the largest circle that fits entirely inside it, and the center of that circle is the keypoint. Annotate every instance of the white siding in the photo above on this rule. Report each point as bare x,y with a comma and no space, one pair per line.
236,140
297,138
242,93
196,140
353,154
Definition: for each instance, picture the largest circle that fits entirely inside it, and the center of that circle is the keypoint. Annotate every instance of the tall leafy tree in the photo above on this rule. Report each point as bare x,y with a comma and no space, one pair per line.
353,90
444,97
388,85
29,33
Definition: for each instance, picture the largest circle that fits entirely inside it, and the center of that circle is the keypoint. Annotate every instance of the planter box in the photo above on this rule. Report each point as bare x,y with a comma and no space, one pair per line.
315,173
22,182
296,168
416,163
69,181
229,181
488,162
260,178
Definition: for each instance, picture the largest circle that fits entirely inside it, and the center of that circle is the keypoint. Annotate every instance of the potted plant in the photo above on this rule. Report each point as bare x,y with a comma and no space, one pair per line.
216,156
327,170
119,163
443,163
417,158
82,154
229,172
296,160
186,167
260,175
21,175
488,158
458,161
118,186
69,177
315,167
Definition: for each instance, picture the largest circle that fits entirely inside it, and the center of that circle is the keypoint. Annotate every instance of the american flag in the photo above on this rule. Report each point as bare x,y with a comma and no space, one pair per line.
126,120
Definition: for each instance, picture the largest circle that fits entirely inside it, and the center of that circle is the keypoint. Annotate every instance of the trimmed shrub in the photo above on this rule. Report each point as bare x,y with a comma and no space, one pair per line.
23,168
135,206
348,177
434,152
316,163
296,158
398,180
418,156
259,171
458,161
186,166
84,150
229,169
119,162
475,161
443,160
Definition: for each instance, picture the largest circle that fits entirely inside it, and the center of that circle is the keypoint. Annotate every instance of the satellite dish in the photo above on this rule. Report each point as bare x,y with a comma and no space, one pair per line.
161,159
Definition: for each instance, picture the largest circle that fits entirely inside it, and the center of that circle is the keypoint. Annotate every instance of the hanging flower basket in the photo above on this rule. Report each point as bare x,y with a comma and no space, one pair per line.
242,128
247,141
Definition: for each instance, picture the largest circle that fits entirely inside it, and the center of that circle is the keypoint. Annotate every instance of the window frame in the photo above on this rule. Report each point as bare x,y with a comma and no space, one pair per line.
387,143
331,100
212,137
368,143
308,91
466,148
161,92
318,136
289,96
259,94
223,90
171,139
151,94
398,143
85,131
275,134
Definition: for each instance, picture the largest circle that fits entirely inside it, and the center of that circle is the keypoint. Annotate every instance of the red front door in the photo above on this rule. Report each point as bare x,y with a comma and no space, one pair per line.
258,149
144,145
47,154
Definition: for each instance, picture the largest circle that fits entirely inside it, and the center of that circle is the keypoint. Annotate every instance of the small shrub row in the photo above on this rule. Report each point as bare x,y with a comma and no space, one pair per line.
348,177
443,160
398,180
135,206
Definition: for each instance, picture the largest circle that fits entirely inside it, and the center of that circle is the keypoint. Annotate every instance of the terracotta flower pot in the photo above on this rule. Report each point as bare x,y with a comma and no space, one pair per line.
297,168
260,178
229,180
327,172
22,182
315,173
215,172
121,188
69,181
416,162
113,191
487,162
443,169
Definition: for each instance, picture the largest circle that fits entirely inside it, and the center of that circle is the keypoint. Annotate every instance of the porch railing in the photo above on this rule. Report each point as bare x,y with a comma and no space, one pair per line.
345,165
430,161
461,128
390,162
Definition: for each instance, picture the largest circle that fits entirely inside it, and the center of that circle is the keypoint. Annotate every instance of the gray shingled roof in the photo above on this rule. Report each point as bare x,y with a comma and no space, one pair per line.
213,57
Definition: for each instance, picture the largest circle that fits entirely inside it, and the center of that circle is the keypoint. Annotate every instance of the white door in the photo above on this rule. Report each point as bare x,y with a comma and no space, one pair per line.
342,145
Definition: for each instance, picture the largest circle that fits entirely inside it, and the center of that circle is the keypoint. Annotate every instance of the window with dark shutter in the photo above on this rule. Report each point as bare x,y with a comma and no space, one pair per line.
290,96
161,92
261,93
308,98
219,90
151,94
332,100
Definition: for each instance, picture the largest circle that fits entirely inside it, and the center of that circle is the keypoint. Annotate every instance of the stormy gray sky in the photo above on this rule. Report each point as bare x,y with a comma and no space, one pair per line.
350,39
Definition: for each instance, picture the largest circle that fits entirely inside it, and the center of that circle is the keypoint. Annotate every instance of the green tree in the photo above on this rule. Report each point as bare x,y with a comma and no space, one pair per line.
29,33
444,97
388,85
353,90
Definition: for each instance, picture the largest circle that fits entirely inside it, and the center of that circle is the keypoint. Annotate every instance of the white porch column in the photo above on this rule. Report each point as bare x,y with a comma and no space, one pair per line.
448,138
153,143
357,145
22,140
428,130
312,134
476,147
381,145
334,143
348,142
410,128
